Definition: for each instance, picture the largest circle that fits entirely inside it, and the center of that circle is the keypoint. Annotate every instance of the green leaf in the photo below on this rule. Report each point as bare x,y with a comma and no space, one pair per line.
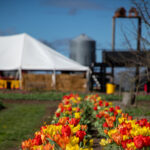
57,147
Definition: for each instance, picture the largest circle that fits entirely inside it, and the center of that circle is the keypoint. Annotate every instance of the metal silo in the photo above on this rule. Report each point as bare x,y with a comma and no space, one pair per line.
83,50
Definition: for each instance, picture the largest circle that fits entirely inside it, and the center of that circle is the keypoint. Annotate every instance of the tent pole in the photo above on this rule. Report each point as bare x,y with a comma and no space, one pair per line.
20,78
54,79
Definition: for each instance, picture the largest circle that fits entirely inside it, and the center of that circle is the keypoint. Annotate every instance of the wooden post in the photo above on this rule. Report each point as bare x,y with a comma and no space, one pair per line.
137,65
113,43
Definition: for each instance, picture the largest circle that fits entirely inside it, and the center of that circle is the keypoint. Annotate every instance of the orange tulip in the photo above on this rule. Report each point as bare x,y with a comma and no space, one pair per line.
106,131
117,137
48,146
83,127
26,144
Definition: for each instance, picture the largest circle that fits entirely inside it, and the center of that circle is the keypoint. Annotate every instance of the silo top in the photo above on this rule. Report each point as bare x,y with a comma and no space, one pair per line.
82,37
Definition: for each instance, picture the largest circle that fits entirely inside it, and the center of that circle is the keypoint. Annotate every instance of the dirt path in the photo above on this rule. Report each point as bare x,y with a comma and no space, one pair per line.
96,145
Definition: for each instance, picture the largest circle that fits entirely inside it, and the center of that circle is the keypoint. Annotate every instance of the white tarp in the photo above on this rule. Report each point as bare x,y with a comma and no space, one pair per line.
22,52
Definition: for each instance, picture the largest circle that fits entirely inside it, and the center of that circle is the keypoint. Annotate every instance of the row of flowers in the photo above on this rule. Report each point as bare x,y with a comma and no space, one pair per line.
69,127
118,129
67,131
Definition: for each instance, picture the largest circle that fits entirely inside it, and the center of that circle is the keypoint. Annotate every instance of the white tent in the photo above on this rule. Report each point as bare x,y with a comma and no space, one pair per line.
22,52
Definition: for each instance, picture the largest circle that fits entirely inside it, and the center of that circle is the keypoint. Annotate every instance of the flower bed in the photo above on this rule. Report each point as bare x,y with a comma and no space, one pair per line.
69,129
119,130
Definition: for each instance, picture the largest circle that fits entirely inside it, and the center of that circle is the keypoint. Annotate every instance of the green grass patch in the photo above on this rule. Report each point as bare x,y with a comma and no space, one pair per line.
55,95
32,95
18,122
111,97
143,97
114,97
138,111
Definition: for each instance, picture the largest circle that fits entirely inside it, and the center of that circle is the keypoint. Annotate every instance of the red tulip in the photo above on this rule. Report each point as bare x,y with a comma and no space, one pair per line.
37,140
106,104
57,114
111,109
70,109
117,107
95,108
74,121
105,125
100,102
66,131
80,134
138,141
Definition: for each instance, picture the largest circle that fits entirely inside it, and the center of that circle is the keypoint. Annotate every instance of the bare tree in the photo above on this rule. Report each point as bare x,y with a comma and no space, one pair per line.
143,56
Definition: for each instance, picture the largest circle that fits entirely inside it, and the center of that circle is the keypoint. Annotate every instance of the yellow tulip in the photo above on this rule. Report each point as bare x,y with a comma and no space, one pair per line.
67,106
104,142
125,137
74,147
74,140
77,115
122,119
119,111
79,98
75,129
110,132
91,142
131,145
110,104
74,108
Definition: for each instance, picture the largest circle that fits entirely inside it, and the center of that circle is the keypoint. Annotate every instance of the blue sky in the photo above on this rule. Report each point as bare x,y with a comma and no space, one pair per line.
58,21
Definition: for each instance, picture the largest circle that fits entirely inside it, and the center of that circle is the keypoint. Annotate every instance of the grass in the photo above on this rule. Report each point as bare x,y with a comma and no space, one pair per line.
138,111
116,97
18,122
111,97
32,95
143,97
52,95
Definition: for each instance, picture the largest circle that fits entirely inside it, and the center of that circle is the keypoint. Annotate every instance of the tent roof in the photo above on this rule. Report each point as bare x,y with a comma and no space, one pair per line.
23,51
